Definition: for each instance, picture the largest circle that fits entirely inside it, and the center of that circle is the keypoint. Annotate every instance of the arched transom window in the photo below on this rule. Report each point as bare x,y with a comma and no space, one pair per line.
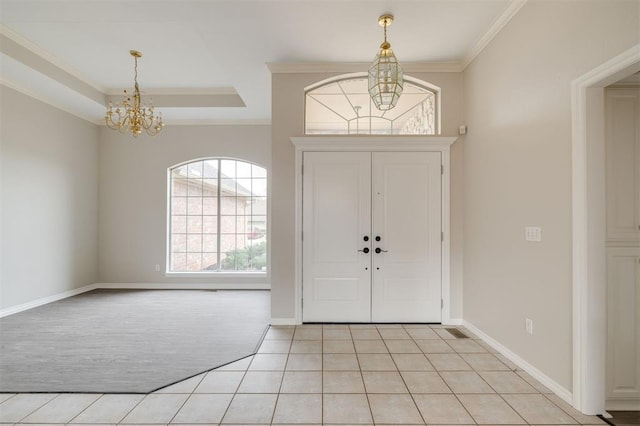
342,106
217,217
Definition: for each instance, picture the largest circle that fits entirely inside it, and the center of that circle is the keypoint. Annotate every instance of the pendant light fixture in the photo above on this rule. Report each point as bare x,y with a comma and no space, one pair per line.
130,114
385,74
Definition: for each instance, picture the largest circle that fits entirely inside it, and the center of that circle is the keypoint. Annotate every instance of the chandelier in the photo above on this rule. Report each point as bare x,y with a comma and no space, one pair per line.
385,73
130,114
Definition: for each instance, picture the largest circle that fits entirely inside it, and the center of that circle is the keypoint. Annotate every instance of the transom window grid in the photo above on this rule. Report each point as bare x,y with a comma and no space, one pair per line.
218,217
344,107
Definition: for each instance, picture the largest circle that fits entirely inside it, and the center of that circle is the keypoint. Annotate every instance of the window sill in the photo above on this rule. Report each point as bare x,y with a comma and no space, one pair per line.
227,274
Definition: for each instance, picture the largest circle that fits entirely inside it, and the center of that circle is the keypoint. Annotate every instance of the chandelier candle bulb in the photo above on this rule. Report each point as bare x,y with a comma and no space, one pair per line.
134,116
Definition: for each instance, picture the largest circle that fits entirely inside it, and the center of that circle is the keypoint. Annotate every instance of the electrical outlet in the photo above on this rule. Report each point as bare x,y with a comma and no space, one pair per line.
528,325
157,267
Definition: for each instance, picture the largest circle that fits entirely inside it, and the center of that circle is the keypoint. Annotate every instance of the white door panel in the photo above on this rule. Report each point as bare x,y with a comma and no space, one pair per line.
407,276
623,322
336,217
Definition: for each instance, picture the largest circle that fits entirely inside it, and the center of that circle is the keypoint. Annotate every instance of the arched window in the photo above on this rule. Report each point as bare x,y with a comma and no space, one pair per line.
217,217
342,106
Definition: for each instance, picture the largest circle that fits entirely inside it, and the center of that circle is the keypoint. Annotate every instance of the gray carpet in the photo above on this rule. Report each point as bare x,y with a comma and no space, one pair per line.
128,341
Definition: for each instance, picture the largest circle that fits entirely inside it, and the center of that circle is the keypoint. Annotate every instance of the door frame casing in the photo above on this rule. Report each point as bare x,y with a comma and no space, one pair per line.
441,144
588,226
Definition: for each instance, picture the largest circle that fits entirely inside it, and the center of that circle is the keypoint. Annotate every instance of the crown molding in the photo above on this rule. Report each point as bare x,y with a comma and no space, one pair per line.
416,67
349,67
493,31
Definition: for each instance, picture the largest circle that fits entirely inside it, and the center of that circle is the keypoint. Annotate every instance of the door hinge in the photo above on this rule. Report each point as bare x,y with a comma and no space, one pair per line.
441,169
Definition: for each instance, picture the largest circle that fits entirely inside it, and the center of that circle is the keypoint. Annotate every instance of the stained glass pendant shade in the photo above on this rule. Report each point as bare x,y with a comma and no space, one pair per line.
385,74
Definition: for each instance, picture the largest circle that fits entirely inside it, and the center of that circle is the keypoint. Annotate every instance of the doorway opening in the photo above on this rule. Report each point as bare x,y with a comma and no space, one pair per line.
588,200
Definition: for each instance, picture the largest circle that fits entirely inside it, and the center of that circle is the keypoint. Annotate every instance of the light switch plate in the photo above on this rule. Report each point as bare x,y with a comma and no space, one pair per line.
533,233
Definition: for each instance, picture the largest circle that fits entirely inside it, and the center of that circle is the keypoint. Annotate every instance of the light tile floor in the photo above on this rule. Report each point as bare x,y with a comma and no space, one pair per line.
329,374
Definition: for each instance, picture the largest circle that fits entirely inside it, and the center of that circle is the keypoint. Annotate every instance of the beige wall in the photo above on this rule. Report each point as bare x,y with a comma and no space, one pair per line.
133,194
287,121
49,200
517,171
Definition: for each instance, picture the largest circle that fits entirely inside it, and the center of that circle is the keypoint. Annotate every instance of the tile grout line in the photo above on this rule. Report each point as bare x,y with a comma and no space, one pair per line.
46,403
366,394
85,409
424,421
284,371
498,394
235,392
187,398
445,382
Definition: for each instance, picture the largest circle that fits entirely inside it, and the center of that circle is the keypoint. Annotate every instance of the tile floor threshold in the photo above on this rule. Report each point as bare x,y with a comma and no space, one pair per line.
316,374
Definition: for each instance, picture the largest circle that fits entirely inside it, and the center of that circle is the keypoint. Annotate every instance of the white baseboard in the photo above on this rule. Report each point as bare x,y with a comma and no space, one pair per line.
453,321
183,286
551,384
39,302
285,321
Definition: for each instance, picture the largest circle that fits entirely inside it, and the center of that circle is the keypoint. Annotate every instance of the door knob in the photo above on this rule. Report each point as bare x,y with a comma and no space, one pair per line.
365,250
379,250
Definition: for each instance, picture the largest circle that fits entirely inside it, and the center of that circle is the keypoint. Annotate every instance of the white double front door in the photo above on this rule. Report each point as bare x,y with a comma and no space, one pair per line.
372,237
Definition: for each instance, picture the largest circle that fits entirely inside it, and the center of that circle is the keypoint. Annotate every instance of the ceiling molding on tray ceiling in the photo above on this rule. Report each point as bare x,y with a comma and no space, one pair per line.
219,122
188,97
56,103
36,58
493,31
349,67
24,51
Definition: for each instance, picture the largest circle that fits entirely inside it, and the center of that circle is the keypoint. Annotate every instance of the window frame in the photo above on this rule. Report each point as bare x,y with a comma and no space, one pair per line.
168,237
436,90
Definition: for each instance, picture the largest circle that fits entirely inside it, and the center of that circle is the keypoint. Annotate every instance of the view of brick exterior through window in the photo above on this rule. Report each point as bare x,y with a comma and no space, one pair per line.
218,217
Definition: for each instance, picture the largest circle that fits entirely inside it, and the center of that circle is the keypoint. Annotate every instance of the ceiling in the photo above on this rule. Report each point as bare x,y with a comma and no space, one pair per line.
210,61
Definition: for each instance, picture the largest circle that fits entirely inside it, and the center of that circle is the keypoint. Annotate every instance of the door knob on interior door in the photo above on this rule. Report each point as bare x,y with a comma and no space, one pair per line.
365,250
379,250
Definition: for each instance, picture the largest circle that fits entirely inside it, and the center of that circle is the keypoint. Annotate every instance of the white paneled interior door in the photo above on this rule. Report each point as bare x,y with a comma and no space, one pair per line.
407,221
623,164
622,115
372,237
623,328
336,217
